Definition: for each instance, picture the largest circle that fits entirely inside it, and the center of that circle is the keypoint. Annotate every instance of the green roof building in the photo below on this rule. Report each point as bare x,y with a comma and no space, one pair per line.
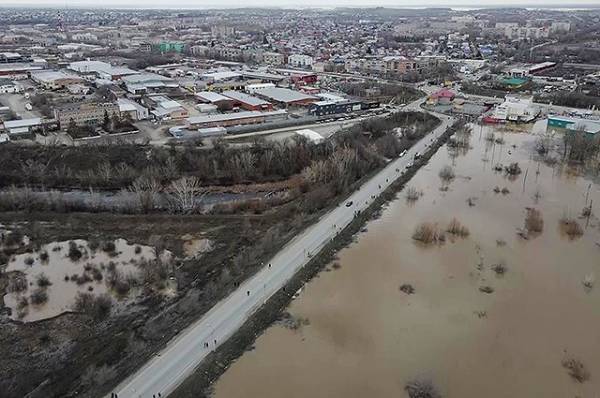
514,82
571,125
171,47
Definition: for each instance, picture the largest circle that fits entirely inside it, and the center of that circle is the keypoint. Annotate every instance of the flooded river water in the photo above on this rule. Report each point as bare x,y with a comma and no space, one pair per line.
367,338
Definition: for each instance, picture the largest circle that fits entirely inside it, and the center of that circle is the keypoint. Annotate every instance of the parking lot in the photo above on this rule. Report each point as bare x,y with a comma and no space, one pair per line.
16,102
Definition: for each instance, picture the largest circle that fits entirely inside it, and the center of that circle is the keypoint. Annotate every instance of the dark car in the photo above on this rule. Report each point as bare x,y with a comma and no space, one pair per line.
348,204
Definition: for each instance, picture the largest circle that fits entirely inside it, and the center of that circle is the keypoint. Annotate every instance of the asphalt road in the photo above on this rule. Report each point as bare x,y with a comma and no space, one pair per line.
177,361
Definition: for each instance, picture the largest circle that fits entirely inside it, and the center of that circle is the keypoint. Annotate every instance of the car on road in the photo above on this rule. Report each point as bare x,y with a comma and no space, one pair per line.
417,155
349,203
408,166
403,153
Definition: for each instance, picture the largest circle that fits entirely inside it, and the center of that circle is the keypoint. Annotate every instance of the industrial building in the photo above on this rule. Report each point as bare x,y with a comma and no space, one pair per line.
19,70
55,80
12,57
234,119
252,88
133,109
214,77
248,102
84,113
514,109
18,67
21,126
147,82
101,70
566,124
264,77
164,108
209,97
285,97
322,108
528,70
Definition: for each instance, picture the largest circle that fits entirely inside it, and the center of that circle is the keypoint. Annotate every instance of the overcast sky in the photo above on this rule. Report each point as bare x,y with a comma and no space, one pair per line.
295,3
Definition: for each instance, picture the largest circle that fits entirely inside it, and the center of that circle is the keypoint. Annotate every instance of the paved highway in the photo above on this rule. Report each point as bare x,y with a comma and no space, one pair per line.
177,361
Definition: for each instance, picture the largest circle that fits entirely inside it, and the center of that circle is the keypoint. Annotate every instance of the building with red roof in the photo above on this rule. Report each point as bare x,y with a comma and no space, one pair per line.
441,97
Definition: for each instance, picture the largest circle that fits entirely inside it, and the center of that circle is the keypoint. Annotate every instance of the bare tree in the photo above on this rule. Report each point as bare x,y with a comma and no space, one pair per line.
184,194
105,171
146,190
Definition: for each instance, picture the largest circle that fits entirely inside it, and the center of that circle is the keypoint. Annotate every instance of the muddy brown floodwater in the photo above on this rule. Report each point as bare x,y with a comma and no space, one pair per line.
367,338
62,291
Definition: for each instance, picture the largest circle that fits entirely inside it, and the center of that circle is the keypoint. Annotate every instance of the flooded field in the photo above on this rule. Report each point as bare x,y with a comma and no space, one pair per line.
499,308
61,270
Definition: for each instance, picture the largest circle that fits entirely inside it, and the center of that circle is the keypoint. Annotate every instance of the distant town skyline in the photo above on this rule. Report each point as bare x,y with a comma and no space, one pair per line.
201,4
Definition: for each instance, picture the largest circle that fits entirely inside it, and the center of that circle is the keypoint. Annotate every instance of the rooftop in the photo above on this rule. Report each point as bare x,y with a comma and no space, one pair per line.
263,75
126,105
50,76
211,96
21,66
100,67
330,97
514,81
577,124
285,95
232,116
221,75
144,78
443,93
13,124
245,98
170,104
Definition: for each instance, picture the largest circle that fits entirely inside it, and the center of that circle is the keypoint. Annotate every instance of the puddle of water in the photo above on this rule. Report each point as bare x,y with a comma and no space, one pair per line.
367,338
60,271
